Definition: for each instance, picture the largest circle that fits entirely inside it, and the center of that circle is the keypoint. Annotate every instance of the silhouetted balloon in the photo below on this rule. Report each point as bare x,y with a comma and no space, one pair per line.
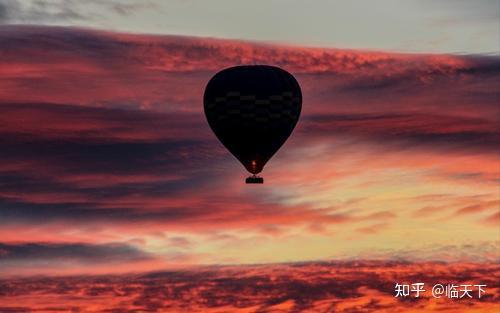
253,109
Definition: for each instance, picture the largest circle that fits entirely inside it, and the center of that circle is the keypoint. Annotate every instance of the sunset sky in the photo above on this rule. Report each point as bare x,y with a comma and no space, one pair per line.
107,164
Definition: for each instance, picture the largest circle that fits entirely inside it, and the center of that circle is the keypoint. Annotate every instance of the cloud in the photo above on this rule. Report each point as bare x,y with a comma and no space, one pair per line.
69,251
463,12
411,129
170,72
478,208
492,220
342,286
39,11
66,11
426,211
372,229
103,138
3,12
25,258
479,252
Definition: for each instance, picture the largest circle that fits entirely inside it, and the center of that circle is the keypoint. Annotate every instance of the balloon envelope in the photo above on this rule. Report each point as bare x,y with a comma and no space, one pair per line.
252,110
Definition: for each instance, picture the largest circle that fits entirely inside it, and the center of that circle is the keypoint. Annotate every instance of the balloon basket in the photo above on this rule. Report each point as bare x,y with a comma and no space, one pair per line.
254,179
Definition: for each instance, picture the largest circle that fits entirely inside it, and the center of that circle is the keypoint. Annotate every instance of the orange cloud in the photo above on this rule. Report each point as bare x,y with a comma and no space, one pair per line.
361,286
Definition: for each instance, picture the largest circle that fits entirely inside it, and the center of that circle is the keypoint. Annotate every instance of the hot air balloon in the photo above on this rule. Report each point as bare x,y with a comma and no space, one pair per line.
252,110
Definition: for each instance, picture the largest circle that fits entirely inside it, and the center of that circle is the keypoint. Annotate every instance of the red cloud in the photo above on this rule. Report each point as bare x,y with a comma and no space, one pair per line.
103,129
360,286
